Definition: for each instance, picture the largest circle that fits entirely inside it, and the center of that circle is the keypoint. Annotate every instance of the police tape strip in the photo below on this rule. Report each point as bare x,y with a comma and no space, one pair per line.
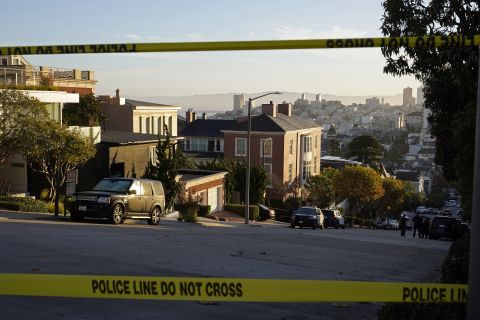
411,42
226,289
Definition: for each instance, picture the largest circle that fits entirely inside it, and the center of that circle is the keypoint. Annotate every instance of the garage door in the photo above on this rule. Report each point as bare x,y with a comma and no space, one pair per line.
213,199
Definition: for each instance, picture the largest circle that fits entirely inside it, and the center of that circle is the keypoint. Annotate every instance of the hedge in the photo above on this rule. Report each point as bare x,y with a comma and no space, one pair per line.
240,209
23,204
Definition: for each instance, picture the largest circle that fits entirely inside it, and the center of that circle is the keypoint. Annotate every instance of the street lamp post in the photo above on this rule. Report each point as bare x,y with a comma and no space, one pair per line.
249,129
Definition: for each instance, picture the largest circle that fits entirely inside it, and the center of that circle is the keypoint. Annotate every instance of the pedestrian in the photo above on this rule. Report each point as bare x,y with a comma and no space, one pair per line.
416,223
403,225
426,234
421,229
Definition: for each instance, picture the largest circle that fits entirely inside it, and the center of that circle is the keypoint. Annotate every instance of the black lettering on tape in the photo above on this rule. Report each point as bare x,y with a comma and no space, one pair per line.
239,290
406,293
167,288
330,43
192,289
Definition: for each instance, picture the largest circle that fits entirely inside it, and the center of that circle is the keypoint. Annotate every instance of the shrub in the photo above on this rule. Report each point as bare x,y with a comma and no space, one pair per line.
23,204
240,209
51,207
292,203
204,210
188,206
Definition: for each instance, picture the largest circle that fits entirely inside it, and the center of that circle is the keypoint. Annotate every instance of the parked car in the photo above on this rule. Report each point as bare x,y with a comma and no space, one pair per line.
333,218
265,212
446,227
284,215
307,217
391,224
116,199
379,224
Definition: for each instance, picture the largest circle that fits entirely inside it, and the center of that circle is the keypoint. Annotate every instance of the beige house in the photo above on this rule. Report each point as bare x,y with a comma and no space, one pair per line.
139,116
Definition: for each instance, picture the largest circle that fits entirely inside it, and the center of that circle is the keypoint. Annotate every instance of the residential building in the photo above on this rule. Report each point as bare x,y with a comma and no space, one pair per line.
372,102
414,121
16,70
414,177
16,170
208,185
286,145
139,116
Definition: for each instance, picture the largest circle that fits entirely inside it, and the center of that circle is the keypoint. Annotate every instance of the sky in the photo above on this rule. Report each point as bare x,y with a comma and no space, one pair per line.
339,71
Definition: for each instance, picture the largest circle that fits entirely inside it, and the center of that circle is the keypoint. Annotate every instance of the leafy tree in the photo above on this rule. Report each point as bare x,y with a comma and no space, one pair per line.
412,198
19,116
334,147
361,185
258,182
321,188
222,165
398,150
449,76
393,197
54,150
165,169
365,149
88,112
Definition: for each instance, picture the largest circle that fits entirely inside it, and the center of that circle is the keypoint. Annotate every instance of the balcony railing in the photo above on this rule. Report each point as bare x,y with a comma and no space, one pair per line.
37,76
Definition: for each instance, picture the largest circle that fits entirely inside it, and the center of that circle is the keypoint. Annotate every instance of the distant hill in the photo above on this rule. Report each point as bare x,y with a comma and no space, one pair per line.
224,101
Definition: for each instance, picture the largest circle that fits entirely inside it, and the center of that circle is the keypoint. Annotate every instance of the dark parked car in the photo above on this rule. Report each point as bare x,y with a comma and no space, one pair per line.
284,215
307,217
265,212
333,218
446,227
116,199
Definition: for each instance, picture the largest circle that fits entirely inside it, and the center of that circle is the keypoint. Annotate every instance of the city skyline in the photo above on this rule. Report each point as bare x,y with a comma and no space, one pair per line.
339,72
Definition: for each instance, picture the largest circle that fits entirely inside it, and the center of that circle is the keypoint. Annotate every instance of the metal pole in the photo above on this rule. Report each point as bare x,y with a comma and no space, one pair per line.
473,308
247,186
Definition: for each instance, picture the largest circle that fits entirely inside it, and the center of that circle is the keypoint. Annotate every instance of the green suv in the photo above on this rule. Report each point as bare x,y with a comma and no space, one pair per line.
117,199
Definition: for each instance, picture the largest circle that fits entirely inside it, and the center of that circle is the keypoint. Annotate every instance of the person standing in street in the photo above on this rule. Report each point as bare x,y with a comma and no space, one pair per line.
403,225
417,220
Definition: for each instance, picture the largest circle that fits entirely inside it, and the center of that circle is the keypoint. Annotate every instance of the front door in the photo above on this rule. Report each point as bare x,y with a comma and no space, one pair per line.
213,199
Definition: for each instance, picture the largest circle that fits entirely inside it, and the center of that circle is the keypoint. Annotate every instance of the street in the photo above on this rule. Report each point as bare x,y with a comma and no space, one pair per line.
206,249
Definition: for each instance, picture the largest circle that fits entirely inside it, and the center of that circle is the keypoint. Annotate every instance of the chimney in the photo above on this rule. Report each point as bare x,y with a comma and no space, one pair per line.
270,109
194,117
189,116
204,116
117,97
285,108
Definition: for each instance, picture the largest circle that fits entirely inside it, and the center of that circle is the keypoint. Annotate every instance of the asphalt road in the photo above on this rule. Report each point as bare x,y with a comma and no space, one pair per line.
214,249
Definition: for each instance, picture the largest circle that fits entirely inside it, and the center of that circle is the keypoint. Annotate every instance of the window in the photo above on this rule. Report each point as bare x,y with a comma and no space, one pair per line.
137,187
307,170
4,61
188,144
152,154
268,171
290,172
211,145
290,146
218,146
307,144
266,148
240,146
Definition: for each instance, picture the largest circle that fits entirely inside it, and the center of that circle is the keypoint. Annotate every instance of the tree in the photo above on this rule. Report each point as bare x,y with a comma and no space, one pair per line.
412,198
361,185
165,169
393,197
258,182
449,77
222,165
321,188
19,116
365,149
88,112
54,150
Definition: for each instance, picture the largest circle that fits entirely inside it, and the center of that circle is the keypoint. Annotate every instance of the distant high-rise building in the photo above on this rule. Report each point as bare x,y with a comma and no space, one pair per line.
318,97
408,99
238,101
383,101
304,96
420,98
372,102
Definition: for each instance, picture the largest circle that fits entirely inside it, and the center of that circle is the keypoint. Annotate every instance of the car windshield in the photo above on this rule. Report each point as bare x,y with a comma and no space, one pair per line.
310,211
113,185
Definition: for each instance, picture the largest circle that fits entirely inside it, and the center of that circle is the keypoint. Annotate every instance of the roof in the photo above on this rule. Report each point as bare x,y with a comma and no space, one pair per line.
207,128
136,103
125,137
407,175
280,123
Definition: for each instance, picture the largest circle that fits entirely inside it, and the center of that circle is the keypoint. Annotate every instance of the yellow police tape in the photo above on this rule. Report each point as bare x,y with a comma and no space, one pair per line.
226,289
412,42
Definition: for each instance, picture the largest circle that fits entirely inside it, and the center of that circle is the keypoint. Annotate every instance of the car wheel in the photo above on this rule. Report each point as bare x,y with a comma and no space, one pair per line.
77,217
292,226
336,225
154,216
343,226
314,226
117,214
